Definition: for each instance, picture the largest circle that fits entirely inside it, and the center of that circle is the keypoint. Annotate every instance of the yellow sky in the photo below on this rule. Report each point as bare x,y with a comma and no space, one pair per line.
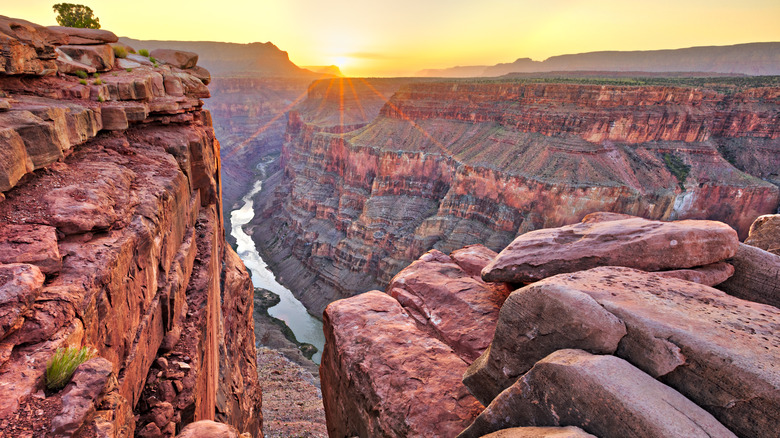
400,37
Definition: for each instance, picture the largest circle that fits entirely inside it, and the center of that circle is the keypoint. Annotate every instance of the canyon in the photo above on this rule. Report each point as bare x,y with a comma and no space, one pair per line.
374,173
112,238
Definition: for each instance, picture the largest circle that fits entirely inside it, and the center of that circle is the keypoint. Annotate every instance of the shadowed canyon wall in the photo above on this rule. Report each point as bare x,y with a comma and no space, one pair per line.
111,209
448,164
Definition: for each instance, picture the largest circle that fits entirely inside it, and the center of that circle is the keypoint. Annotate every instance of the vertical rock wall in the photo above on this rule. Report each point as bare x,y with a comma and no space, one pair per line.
111,192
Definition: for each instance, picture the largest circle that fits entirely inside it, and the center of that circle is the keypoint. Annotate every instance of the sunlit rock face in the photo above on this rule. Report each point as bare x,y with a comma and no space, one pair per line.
448,164
112,238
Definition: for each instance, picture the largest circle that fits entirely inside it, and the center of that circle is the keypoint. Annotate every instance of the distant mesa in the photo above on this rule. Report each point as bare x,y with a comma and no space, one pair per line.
751,59
332,70
233,59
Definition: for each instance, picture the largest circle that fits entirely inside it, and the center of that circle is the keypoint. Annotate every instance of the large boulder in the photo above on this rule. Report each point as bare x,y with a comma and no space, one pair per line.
83,36
719,351
176,58
633,242
459,308
756,276
100,57
765,233
27,48
209,429
382,376
66,64
604,395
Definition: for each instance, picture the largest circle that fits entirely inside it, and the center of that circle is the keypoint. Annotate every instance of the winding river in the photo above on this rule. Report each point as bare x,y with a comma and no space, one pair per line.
305,327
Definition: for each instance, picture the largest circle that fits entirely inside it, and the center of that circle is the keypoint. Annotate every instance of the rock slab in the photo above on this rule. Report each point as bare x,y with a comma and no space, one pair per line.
604,395
765,233
756,276
634,243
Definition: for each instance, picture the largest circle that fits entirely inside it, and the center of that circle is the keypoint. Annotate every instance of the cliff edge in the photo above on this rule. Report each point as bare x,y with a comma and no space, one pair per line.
111,237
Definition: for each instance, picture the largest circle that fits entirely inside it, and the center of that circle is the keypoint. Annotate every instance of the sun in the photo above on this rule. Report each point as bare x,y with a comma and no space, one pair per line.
341,61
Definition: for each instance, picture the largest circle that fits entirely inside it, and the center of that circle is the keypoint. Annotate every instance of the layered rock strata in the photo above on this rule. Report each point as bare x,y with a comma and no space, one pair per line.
645,341
448,164
111,190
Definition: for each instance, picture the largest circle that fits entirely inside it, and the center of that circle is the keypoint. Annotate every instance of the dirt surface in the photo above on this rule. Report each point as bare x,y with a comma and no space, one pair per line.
292,402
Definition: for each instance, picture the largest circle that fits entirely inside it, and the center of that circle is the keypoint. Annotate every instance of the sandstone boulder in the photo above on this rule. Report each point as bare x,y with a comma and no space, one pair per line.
143,60
756,276
101,57
173,85
125,63
66,64
765,233
458,308
27,48
200,73
14,161
710,275
33,244
382,376
719,351
176,58
81,395
41,141
20,284
604,395
82,36
635,243
473,258
540,432
209,429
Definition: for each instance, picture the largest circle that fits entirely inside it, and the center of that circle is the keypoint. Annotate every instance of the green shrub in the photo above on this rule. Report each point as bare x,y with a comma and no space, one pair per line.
97,82
153,59
143,52
678,168
83,81
81,73
128,69
100,99
120,52
96,75
63,363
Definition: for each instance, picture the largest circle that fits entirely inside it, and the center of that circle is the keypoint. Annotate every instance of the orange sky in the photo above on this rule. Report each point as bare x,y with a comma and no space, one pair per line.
400,37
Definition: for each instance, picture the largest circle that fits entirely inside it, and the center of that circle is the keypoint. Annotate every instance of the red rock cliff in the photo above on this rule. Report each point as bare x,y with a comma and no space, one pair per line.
447,164
111,201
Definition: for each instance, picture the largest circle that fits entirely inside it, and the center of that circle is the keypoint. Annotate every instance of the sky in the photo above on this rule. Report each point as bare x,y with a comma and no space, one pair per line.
400,37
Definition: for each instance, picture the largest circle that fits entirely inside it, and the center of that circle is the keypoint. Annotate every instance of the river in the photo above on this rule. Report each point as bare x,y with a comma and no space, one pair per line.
305,327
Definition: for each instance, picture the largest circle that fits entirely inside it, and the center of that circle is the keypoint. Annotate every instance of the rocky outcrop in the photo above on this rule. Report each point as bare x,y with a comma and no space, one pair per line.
645,342
112,191
382,376
448,164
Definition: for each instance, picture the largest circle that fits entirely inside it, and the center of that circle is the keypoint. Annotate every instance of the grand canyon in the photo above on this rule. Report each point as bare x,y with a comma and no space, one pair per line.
583,246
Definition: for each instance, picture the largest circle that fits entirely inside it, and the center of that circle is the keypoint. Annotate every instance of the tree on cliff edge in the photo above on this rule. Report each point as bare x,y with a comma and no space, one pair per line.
73,15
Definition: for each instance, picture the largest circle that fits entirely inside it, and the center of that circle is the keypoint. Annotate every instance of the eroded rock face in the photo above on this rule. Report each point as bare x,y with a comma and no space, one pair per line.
449,164
604,395
635,243
717,350
382,376
20,284
176,58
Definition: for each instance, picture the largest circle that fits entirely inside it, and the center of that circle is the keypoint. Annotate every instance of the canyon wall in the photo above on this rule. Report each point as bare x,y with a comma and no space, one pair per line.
448,164
111,215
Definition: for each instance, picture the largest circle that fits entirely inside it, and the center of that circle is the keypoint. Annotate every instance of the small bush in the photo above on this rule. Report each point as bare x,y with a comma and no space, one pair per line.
153,59
81,73
83,81
63,363
128,69
143,52
95,75
97,82
100,99
120,52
